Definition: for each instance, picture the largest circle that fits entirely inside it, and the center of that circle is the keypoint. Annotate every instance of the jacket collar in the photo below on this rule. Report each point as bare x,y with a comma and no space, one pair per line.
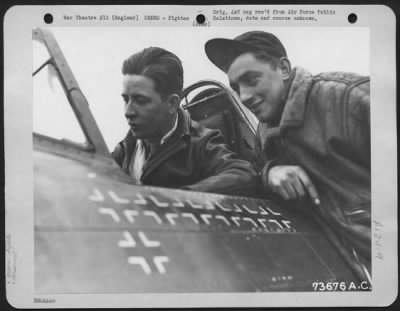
174,144
184,125
293,113
182,129
295,106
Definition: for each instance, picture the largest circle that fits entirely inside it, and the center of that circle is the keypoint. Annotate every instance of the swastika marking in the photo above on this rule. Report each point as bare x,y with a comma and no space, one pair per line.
117,199
154,215
273,213
178,203
250,211
194,205
110,212
276,222
206,218
237,208
251,221
223,218
192,216
140,199
158,203
287,223
210,206
262,222
263,211
235,219
130,215
170,217
224,209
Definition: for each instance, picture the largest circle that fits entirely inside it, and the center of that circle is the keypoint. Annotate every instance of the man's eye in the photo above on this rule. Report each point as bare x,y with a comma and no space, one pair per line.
125,99
252,81
142,100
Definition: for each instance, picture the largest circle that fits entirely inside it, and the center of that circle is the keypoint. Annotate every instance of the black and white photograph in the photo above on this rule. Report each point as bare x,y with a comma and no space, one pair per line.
235,159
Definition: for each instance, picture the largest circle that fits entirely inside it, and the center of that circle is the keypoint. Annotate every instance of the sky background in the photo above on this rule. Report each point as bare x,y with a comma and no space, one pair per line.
95,55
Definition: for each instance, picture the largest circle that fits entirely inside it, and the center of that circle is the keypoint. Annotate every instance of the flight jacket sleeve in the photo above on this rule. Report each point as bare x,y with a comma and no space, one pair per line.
223,171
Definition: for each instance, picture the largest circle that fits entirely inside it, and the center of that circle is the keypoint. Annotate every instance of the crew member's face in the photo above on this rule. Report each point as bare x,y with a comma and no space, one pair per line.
259,86
145,110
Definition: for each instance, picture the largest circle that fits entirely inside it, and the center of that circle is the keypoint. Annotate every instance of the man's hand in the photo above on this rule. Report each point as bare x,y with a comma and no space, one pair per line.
291,182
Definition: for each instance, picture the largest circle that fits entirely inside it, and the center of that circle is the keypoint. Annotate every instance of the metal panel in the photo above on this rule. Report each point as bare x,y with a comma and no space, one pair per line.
97,234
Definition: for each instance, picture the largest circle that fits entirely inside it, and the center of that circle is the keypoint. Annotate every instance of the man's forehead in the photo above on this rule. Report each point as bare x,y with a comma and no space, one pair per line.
243,64
137,82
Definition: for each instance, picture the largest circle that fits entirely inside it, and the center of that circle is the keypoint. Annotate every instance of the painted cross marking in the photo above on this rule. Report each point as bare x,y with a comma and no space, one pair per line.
97,196
136,260
159,263
128,242
146,242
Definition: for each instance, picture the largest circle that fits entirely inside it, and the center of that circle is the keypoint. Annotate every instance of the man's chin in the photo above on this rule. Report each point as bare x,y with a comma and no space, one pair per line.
137,134
262,118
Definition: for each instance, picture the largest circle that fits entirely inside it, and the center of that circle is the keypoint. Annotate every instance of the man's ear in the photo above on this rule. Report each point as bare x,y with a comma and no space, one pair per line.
173,103
286,67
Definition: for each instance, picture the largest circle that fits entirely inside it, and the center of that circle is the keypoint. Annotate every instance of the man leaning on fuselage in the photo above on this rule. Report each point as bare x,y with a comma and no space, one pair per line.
313,141
164,147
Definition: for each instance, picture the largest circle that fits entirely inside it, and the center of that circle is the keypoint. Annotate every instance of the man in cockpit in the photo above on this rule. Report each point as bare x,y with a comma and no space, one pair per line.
164,147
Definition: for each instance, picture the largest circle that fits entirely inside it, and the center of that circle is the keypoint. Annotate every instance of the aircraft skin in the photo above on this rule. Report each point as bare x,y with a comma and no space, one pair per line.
98,232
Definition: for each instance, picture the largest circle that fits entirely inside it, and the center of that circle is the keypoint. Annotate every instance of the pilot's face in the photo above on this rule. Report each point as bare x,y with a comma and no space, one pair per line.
259,86
145,110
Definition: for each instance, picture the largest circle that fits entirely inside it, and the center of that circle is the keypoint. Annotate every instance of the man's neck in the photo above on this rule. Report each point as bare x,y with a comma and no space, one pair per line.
286,91
167,131
287,85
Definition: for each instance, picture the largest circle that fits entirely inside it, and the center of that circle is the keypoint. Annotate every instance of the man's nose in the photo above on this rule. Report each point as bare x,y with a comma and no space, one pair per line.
246,96
130,110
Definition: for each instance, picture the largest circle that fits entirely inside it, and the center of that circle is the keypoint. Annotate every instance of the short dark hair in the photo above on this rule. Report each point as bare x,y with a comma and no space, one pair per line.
162,66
